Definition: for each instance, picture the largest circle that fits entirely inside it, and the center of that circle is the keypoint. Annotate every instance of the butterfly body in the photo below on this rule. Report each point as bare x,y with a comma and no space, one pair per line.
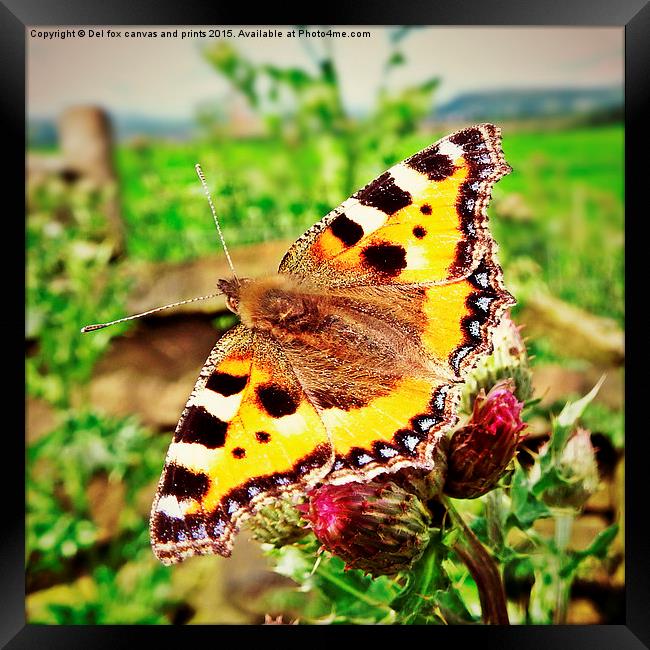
348,361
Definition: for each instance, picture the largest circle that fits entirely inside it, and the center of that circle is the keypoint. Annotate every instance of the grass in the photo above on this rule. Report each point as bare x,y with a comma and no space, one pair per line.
570,181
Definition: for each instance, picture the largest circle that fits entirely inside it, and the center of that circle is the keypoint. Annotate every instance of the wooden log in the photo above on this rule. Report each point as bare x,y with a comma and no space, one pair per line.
572,331
86,143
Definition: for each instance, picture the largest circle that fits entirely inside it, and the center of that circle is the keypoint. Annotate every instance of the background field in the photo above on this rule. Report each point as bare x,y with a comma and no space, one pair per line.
101,407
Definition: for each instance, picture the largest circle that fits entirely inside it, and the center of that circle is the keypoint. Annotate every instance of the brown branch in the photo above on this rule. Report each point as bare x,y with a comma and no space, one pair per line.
484,570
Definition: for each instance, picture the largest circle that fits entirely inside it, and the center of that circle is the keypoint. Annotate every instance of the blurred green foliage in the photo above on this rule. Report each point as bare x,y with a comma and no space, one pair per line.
61,466
68,277
569,181
315,154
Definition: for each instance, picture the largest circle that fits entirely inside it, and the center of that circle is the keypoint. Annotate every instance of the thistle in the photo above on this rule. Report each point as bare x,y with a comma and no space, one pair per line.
480,452
278,523
577,468
377,527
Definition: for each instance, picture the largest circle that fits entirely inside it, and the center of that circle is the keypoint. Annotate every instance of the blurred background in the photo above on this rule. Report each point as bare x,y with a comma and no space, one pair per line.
285,129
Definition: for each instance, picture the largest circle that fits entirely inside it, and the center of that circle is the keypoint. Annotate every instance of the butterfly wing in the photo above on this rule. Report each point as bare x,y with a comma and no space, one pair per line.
422,221
247,433
420,227
402,427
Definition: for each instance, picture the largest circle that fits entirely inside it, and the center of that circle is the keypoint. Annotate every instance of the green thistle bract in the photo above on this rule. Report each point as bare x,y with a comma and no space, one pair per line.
278,523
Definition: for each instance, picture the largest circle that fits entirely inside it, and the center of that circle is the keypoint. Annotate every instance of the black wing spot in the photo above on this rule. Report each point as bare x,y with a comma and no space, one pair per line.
239,452
202,427
183,483
425,208
226,384
276,401
384,195
348,231
263,436
435,165
419,232
385,258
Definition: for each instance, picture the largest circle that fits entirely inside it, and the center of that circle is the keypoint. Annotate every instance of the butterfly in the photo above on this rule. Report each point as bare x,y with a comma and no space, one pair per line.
348,361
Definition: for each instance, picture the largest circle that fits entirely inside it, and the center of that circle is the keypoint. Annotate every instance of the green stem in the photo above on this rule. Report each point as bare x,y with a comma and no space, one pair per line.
563,526
415,604
419,603
483,568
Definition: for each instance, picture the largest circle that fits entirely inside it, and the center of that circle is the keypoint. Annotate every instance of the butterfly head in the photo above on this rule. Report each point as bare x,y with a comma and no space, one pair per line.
231,289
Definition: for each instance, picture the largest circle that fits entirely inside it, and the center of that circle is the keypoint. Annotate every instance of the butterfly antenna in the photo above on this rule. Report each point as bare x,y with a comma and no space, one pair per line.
99,326
199,172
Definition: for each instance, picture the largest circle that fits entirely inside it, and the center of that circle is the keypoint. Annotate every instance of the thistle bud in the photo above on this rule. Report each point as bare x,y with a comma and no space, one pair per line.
480,452
278,523
509,360
378,527
577,468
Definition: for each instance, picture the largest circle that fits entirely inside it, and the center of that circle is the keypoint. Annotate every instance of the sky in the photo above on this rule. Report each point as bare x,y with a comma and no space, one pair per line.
168,78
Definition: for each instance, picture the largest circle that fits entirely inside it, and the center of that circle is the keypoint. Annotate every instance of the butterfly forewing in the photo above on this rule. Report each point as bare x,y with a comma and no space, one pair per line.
422,221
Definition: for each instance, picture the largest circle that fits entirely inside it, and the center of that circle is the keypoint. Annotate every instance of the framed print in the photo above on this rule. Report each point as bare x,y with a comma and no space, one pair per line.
326,324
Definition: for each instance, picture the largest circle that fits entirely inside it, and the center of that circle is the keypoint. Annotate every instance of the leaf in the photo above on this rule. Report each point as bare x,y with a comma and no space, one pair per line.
429,597
526,507
573,410
598,548
396,58
549,479
451,606
567,418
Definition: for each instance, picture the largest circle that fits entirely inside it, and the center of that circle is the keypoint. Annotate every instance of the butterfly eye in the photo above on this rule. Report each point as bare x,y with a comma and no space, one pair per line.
233,304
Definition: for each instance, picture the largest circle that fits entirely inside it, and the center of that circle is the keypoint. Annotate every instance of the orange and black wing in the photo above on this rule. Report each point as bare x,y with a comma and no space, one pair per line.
423,221
420,229
247,434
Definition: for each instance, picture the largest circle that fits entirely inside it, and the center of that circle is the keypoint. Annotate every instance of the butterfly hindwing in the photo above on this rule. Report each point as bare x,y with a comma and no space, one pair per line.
422,221
392,431
460,316
392,415
247,433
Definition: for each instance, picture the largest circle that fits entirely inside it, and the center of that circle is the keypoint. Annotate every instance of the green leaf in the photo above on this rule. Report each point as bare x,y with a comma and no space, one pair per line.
526,507
417,604
598,548
568,417
396,58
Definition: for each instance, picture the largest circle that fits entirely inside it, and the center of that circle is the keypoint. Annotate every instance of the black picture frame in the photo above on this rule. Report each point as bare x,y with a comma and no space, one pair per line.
631,15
